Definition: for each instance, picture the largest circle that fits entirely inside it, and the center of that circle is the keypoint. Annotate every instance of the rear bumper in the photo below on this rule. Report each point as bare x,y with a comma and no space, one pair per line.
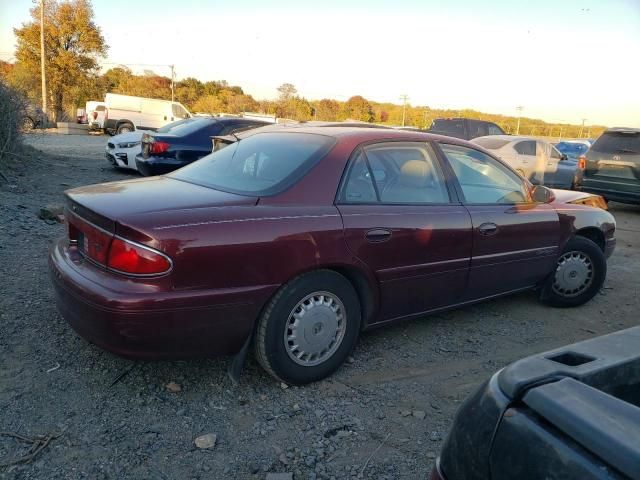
618,191
148,321
157,165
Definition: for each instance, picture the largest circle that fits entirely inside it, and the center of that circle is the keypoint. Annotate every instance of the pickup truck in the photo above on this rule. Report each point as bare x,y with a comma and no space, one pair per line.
571,413
465,128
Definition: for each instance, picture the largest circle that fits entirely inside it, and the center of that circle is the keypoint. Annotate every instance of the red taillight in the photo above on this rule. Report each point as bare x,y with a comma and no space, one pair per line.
127,257
582,162
158,147
91,241
95,115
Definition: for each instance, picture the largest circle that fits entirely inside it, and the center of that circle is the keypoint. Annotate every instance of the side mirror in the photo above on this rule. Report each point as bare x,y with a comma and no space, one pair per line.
564,156
541,194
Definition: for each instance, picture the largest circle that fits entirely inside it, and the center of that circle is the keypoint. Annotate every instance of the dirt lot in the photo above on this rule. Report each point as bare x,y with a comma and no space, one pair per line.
118,420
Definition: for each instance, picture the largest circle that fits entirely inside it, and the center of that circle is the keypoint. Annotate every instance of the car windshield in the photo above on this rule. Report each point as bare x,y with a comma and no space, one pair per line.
490,143
572,149
618,142
262,164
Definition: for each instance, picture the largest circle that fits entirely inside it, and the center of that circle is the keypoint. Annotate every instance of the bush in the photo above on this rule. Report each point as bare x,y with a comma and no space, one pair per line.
13,112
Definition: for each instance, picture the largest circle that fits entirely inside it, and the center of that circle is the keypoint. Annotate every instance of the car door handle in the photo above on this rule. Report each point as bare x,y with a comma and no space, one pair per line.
488,229
378,235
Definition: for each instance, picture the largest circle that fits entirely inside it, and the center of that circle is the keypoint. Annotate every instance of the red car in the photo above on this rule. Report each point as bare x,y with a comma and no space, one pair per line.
298,238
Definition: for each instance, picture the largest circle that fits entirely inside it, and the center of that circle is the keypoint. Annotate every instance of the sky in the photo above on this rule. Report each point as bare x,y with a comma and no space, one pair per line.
562,60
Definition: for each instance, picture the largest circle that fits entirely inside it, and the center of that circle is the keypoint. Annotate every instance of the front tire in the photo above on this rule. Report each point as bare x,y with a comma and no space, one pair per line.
308,328
579,274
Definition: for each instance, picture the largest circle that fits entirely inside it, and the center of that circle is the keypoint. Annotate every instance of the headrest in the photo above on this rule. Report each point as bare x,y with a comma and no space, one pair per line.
414,173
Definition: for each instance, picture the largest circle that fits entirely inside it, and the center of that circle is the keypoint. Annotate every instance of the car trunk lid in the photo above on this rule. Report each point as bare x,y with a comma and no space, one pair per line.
109,202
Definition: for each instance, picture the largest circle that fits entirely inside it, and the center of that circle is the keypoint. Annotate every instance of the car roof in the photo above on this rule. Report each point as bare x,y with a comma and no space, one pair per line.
361,133
622,130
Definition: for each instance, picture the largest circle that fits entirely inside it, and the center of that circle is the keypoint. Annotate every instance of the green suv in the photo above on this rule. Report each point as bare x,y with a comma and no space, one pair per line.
612,167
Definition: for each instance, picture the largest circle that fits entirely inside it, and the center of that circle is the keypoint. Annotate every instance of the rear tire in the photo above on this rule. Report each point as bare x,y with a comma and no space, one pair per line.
125,128
579,274
308,328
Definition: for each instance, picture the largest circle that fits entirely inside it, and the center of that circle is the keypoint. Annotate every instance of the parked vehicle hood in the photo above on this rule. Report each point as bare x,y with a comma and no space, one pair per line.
144,196
568,196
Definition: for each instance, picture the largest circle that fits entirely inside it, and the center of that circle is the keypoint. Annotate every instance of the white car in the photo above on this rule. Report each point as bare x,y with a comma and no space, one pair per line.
530,157
122,149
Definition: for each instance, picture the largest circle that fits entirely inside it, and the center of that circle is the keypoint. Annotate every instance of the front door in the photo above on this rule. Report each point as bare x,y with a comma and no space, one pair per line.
515,240
401,221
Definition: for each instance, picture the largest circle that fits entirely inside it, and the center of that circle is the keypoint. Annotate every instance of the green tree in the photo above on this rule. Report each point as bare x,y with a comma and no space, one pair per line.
358,108
327,109
73,44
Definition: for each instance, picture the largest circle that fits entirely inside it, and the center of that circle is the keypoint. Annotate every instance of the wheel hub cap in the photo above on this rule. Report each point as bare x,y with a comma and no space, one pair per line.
315,329
574,274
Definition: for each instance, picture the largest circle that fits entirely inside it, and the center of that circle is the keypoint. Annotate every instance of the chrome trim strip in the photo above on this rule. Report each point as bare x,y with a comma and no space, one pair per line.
543,251
254,219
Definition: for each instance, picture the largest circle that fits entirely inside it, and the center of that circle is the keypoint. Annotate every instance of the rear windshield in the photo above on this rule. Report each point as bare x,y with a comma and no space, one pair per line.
490,143
262,164
572,149
616,142
186,126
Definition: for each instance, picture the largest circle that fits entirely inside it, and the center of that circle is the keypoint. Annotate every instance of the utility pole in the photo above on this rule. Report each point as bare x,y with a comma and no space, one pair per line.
404,99
582,127
519,108
173,74
42,72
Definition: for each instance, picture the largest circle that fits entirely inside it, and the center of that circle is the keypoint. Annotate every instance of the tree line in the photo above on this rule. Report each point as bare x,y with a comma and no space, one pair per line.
74,44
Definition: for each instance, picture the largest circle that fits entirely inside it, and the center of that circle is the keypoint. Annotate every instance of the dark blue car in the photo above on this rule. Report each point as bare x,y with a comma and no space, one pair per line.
186,142
572,150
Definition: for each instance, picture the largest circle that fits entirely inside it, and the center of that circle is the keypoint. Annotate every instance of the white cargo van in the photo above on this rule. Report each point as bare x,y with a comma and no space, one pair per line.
126,113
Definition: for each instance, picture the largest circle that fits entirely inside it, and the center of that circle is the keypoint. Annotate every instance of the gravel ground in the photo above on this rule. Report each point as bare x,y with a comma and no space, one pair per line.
383,415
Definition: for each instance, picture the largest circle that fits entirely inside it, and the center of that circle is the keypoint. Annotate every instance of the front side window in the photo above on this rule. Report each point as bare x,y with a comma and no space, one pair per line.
178,111
484,179
262,164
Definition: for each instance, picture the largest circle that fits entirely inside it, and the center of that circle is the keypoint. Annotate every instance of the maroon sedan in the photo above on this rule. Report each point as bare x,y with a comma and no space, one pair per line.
297,238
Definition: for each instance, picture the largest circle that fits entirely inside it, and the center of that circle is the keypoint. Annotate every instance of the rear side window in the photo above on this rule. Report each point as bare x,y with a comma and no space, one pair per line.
450,126
359,185
396,173
527,147
477,129
615,142
262,164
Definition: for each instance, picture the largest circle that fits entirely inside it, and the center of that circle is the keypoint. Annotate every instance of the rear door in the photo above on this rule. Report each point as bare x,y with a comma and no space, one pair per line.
515,240
402,221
